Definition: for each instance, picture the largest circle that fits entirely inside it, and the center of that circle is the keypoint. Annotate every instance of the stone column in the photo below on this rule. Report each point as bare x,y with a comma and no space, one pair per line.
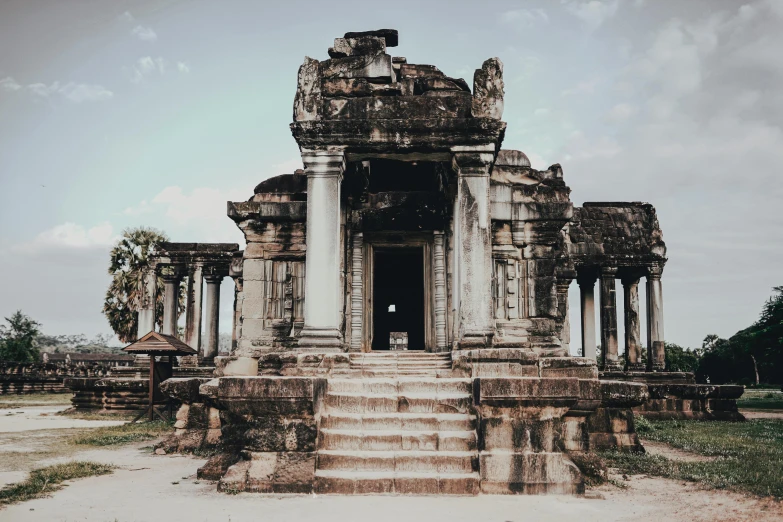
172,276
656,354
562,285
357,292
323,293
439,272
236,325
236,272
212,333
633,345
609,320
587,298
193,307
146,318
473,245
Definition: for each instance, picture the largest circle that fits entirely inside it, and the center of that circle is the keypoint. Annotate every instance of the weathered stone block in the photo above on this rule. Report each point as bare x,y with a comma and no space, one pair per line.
377,66
216,466
457,105
183,390
236,366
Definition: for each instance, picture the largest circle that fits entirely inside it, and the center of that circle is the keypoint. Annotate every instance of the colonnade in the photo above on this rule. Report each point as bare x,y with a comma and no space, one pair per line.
196,274
607,277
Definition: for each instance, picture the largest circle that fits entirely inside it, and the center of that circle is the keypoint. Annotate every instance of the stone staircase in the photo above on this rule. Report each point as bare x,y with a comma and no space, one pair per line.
398,429
399,364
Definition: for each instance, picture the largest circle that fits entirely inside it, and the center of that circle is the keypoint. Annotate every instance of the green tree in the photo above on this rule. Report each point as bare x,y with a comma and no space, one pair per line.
679,359
18,340
129,260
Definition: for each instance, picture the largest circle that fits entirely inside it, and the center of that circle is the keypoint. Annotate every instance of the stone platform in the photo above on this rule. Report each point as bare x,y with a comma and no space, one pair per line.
677,396
402,423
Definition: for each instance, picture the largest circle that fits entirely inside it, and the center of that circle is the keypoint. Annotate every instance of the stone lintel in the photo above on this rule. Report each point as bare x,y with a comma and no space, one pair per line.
267,211
382,135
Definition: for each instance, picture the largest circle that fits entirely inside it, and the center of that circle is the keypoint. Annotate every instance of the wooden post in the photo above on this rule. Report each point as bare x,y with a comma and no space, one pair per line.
152,387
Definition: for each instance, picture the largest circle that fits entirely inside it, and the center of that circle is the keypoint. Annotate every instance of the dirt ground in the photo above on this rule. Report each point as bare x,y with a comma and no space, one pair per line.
150,488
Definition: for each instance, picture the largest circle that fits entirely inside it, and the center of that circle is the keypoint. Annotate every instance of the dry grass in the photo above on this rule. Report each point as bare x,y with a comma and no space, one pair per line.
748,455
46,480
124,434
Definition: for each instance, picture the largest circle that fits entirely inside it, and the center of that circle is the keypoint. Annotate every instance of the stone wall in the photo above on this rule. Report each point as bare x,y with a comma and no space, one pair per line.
108,395
22,378
675,395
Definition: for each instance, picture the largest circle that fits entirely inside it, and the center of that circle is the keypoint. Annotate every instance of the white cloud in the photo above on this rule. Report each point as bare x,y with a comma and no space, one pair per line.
82,92
145,34
43,90
148,66
541,111
526,17
71,91
126,17
8,84
621,112
592,12
583,87
71,235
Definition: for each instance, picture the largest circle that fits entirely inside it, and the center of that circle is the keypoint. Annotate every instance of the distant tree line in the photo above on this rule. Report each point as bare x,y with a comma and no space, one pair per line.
21,341
751,356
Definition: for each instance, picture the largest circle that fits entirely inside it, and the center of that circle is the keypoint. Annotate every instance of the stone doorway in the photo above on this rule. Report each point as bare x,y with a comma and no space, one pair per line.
398,315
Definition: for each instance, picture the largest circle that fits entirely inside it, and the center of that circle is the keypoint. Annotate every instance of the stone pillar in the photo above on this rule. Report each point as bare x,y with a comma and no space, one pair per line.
236,325
212,333
633,345
562,285
439,272
236,272
587,298
473,245
146,317
357,292
193,307
609,320
172,276
656,354
323,293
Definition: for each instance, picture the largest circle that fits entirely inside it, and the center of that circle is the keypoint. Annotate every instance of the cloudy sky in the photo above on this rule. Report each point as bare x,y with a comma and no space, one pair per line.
123,113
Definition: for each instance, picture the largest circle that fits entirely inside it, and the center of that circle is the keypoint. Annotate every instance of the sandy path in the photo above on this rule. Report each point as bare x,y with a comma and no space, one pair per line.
31,418
150,488
762,414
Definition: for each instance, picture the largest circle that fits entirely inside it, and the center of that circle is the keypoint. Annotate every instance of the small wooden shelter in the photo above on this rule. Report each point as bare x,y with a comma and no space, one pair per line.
155,345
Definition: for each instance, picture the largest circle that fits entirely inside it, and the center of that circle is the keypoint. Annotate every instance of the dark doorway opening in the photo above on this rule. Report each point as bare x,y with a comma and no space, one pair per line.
398,299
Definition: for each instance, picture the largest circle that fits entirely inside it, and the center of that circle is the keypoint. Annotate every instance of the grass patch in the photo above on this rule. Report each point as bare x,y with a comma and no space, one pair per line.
35,399
749,454
761,399
71,413
124,434
43,481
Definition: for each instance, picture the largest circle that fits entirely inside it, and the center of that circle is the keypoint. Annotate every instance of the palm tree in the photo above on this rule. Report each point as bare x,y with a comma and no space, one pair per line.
129,260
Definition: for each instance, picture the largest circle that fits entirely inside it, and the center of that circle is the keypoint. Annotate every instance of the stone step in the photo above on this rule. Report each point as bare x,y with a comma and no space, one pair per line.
396,440
401,461
402,403
401,483
401,364
394,372
401,385
399,421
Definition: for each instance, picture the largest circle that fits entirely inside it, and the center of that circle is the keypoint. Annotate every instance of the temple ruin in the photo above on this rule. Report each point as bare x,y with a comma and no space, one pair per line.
401,307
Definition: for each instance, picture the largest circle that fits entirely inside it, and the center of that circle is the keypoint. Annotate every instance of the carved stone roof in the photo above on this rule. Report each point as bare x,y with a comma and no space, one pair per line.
365,99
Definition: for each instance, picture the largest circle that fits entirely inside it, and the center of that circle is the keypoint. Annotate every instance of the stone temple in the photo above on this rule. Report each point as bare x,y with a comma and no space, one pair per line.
401,309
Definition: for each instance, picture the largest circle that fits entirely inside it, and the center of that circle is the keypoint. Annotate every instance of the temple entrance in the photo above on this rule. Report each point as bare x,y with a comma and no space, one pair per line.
398,299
